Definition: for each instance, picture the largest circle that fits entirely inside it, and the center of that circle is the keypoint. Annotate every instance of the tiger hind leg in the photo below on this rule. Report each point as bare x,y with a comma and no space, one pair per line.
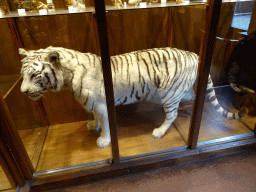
94,125
171,112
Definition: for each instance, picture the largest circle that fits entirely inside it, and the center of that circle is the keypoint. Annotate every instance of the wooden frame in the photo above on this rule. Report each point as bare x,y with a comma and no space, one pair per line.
211,24
15,144
147,163
124,166
107,74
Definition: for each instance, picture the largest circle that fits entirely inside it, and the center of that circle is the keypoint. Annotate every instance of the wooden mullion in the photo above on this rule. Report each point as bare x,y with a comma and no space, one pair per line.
107,74
211,23
7,171
9,165
9,131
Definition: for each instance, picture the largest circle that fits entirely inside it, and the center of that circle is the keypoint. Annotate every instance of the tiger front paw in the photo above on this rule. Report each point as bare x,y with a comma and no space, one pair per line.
158,133
103,142
93,125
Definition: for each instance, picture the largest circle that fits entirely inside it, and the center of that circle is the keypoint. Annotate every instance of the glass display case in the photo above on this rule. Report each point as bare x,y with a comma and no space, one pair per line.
149,58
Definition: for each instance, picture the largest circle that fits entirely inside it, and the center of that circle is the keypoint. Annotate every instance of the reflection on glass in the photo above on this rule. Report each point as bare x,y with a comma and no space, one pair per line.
233,52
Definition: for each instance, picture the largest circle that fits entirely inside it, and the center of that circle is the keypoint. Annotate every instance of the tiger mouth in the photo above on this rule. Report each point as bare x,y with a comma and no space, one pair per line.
35,96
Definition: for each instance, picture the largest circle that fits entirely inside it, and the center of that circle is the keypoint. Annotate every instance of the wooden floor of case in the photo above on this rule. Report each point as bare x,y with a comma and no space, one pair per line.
72,144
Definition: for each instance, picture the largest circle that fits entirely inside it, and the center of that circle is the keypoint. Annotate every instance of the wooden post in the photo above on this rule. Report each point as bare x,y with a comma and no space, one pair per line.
211,24
10,133
106,67
9,165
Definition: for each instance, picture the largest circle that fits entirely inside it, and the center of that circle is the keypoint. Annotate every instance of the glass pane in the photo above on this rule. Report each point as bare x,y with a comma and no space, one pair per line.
149,73
220,117
53,129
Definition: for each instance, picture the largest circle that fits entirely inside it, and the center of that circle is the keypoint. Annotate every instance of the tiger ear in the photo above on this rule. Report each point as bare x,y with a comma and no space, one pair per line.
53,57
23,52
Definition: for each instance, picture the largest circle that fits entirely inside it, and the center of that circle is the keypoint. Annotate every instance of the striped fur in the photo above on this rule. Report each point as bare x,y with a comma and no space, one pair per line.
162,75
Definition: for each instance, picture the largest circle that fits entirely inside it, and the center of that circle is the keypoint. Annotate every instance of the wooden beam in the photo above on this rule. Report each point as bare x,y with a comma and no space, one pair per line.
9,165
211,24
15,144
107,74
147,163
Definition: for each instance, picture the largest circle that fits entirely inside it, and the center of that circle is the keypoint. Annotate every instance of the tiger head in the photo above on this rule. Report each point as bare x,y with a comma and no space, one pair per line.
40,72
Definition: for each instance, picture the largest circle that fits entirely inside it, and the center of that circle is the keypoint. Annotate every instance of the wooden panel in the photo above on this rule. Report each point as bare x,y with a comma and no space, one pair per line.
59,30
132,30
187,27
9,59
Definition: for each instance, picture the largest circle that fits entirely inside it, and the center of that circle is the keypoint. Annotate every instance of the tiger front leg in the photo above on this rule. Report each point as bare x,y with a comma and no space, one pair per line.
100,113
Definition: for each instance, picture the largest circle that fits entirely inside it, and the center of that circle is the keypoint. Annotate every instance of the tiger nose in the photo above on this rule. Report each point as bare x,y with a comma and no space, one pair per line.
24,89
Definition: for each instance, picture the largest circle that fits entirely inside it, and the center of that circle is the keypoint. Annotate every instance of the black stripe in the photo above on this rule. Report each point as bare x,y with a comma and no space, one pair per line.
217,107
157,82
112,62
116,63
54,75
121,63
127,67
234,116
213,98
137,95
138,70
86,99
125,99
148,92
225,113
92,105
119,98
47,77
209,90
171,111
71,53
143,87
132,90
155,61
147,67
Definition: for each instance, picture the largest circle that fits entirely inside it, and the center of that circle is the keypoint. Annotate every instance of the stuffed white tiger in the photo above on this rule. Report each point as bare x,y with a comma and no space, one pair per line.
163,73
